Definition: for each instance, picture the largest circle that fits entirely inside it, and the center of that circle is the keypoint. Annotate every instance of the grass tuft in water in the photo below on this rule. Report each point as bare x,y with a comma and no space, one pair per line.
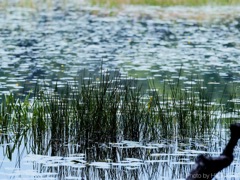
96,110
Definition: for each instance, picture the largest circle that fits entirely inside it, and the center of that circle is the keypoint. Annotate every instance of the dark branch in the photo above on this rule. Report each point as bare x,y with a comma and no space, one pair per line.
207,167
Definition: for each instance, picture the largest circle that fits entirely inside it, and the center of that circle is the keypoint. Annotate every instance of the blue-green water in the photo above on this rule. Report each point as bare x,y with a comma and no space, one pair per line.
49,45
57,44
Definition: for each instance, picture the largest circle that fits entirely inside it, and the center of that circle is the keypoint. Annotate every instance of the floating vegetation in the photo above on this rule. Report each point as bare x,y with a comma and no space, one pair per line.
166,2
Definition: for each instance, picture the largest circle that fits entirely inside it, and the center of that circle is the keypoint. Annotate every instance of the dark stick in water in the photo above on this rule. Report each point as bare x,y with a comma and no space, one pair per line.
208,167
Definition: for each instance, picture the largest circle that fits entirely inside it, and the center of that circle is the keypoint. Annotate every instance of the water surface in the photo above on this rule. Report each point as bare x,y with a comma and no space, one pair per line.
56,44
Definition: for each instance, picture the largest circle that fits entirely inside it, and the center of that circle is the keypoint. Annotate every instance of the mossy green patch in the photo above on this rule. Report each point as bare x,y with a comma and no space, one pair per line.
115,3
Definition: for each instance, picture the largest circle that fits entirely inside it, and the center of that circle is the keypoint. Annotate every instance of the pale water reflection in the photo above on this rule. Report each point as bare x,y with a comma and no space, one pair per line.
166,159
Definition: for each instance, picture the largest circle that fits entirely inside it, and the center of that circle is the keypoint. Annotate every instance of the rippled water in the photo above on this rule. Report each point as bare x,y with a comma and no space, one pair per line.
167,159
57,44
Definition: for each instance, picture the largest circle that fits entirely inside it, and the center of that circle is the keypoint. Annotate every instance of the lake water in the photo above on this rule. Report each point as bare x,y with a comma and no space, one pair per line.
54,44
143,42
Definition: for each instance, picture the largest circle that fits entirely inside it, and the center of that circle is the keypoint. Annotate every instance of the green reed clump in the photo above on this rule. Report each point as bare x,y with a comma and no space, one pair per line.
193,112
14,122
39,124
95,109
14,113
98,109
185,110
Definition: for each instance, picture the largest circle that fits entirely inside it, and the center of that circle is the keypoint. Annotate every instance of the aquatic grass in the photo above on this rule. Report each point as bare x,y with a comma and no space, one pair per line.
14,113
108,108
105,156
131,109
14,122
97,101
186,109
